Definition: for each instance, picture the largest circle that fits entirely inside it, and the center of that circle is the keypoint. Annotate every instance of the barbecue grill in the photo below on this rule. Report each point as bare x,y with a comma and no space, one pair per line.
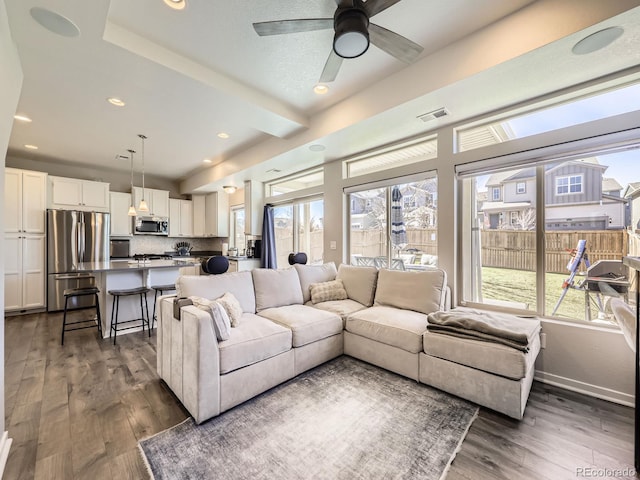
604,278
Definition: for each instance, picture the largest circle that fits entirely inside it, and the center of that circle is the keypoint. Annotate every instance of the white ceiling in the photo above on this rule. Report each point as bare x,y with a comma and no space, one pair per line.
187,75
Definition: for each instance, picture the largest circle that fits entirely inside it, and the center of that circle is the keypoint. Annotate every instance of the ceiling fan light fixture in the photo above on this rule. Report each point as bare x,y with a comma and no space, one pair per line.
352,33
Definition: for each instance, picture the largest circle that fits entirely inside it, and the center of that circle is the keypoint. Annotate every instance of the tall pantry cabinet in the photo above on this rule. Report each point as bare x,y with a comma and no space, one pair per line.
25,197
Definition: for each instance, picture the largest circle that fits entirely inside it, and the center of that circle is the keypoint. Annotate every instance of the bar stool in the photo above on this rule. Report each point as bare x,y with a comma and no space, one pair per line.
159,289
80,292
114,327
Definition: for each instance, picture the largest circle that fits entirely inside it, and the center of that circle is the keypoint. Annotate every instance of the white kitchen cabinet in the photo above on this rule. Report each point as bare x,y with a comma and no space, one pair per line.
180,218
211,215
157,201
199,215
121,222
24,271
253,207
243,264
25,197
75,194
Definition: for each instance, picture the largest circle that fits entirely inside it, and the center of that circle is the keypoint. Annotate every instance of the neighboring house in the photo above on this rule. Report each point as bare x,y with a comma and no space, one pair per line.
577,197
419,202
632,195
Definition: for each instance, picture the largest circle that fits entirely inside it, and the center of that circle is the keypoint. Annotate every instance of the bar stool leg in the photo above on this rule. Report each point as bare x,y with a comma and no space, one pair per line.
115,328
155,300
99,317
64,319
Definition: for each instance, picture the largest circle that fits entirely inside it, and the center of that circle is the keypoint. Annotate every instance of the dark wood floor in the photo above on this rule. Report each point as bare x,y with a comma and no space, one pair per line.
77,411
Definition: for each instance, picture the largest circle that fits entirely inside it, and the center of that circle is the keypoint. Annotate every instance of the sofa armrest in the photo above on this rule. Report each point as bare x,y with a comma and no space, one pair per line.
189,359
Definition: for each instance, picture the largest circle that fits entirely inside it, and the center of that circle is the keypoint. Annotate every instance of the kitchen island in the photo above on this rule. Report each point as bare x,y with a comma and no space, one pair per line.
121,274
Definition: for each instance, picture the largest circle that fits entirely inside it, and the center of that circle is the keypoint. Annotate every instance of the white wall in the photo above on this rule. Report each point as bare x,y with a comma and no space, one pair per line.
10,86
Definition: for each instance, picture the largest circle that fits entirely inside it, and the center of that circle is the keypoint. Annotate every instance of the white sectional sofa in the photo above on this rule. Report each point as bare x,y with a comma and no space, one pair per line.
282,333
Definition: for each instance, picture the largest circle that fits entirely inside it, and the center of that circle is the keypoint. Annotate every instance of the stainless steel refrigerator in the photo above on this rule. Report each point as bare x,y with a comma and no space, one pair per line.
73,237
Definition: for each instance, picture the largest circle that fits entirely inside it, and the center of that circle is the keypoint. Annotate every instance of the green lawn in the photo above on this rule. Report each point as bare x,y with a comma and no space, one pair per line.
520,286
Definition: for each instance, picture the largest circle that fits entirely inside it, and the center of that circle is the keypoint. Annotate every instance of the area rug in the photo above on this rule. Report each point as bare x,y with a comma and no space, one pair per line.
343,420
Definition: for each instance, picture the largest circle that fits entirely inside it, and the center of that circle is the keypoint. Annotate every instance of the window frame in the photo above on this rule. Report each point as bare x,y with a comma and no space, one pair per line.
494,191
520,191
568,185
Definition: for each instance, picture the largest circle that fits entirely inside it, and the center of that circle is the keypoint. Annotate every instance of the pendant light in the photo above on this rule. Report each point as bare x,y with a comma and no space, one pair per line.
143,207
132,209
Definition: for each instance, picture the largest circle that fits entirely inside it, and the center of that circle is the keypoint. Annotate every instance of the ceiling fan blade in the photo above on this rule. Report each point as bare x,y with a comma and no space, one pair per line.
278,27
331,68
373,7
395,45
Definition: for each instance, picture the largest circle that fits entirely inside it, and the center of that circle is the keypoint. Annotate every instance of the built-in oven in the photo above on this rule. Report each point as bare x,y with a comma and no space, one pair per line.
151,225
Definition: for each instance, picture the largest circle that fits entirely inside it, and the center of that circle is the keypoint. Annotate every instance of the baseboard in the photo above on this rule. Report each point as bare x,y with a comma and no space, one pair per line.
585,388
5,445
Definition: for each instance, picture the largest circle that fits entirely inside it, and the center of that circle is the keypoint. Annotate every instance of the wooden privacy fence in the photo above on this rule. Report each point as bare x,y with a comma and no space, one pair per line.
515,249
371,242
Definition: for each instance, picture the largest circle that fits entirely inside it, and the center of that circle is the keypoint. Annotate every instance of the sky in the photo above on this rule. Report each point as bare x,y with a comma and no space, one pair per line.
623,166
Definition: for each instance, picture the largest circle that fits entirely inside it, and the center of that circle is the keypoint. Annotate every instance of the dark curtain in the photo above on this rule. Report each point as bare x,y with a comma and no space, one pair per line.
268,256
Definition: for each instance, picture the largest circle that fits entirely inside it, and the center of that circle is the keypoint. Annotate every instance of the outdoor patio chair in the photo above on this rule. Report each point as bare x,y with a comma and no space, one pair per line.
365,261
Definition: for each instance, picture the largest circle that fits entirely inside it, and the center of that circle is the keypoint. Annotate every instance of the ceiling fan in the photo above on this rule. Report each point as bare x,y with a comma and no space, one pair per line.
353,32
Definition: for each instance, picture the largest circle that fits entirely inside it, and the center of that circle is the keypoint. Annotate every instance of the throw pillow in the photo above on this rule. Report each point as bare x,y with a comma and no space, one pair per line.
231,305
221,322
327,291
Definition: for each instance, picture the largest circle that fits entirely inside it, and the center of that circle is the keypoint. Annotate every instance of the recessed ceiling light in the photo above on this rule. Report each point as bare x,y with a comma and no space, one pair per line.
176,4
597,41
223,135
54,22
206,160
31,147
320,89
317,147
22,118
116,101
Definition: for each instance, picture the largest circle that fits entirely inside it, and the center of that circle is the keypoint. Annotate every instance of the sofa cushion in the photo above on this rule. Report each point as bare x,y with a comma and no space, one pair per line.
398,328
359,282
307,324
327,291
254,340
309,274
422,292
240,284
487,356
276,288
344,308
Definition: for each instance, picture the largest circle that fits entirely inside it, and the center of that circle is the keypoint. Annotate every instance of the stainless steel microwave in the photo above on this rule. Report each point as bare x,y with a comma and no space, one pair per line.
151,226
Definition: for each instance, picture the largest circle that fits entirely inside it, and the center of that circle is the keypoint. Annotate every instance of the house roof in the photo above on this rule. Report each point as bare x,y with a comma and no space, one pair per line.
187,75
631,190
610,185
502,206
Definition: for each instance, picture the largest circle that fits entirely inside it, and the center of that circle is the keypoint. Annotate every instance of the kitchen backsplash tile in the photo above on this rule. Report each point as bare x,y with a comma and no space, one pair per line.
155,244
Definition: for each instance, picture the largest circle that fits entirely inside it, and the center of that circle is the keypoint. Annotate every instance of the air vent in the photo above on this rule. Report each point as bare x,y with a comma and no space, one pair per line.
122,157
434,115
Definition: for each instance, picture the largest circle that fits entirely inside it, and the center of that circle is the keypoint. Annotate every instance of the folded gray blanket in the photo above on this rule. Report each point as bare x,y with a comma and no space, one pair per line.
502,328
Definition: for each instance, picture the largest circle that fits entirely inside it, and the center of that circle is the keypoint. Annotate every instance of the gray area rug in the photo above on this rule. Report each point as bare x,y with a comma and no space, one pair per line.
343,420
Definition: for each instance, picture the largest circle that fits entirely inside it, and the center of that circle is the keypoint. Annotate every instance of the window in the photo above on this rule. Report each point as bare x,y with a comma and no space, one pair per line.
501,266
521,187
571,184
392,157
495,194
299,227
236,235
574,111
377,220
295,182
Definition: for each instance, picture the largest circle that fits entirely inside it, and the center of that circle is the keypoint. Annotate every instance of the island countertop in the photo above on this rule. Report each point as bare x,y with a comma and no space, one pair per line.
128,265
